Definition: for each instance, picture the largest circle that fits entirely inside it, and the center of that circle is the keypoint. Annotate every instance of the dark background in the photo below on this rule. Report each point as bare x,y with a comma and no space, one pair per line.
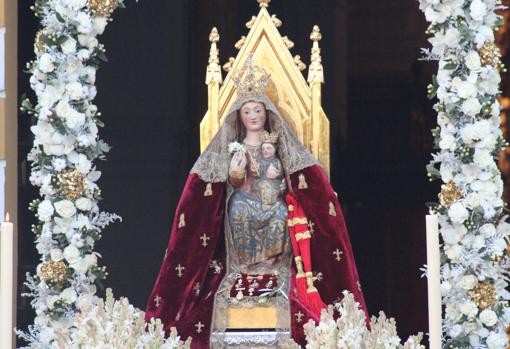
152,96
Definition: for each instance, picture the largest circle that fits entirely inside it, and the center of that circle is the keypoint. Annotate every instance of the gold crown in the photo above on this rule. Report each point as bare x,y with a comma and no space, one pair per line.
250,80
267,137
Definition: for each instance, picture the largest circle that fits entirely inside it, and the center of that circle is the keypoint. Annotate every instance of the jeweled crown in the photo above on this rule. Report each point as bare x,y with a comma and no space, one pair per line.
267,137
250,80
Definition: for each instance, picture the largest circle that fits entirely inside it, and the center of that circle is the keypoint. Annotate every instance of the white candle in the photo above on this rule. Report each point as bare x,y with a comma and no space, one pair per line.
434,283
6,284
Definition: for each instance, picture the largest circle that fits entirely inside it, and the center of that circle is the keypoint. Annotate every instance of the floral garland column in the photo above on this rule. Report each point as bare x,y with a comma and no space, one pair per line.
474,270
66,143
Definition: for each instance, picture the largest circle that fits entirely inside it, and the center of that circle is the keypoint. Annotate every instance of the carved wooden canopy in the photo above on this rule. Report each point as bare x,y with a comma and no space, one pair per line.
297,99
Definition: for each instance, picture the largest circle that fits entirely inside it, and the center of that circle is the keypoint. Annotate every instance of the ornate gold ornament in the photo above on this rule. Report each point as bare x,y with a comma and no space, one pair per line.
484,295
71,184
449,194
54,271
302,182
251,80
269,137
102,8
490,54
208,190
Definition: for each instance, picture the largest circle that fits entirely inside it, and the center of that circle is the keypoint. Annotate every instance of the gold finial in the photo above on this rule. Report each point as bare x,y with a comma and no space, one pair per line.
264,3
315,72
213,68
276,21
240,43
227,66
251,80
299,63
250,23
289,43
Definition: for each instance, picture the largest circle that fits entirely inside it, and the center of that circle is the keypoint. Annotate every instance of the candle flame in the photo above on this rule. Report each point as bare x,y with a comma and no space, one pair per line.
7,217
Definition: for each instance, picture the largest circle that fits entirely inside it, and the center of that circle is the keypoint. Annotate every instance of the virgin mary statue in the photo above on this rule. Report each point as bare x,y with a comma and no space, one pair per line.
258,225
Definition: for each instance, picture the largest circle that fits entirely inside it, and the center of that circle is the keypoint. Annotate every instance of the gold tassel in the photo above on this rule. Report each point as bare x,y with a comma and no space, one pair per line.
208,190
182,222
332,211
302,182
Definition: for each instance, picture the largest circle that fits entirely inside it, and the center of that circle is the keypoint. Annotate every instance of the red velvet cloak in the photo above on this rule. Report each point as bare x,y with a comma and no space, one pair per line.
186,301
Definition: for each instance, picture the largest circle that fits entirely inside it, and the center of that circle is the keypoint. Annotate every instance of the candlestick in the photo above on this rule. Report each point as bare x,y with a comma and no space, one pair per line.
6,284
434,283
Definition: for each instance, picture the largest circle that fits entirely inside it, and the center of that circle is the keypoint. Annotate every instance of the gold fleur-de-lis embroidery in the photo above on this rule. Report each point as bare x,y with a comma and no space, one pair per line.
208,190
179,269
302,182
332,211
204,239
199,326
338,255
299,316
157,301
182,221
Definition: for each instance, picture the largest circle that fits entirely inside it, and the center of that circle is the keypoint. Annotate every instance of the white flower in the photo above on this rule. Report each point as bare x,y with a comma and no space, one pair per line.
80,266
455,331
488,317
84,23
75,119
453,252
478,10
465,89
482,157
75,90
458,213
68,46
71,254
497,340
58,164
467,282
56,254
45,210
473,61
84,204
447,142
100,24
452,37
69,295
46,63
471,106
469,309
65,208
488,230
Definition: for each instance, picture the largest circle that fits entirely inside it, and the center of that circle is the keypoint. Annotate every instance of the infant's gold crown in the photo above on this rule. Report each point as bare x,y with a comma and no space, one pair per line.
250,80
267,137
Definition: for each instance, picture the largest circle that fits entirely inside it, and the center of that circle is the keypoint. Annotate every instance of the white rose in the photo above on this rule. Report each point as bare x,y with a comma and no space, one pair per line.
45,210
452,312
478,242
469,309
447,142
84,204
63,108
455,331
482,157
75,119
477,10
69,295
46,63
75,90
80,266
488,317
467,282
452,37
84,165
471,106
466,89
497,340
68,46
56,254
446,172
458,213
71,254
84,23
453,252
100,24
474,340
473,61
65,208
488,230
91,260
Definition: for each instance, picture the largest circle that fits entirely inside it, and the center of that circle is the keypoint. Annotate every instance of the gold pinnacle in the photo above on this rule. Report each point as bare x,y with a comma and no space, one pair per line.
263,3
214,36
316,34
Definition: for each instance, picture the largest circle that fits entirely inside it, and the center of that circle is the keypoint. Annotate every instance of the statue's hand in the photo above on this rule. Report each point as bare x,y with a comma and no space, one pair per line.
238,162
272,172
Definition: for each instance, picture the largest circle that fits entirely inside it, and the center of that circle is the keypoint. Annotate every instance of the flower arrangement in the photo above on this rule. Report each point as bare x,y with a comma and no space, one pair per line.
350,331
473,227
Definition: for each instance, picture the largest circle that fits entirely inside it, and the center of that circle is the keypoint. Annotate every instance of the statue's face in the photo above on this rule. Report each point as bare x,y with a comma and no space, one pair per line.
268,150
253,116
